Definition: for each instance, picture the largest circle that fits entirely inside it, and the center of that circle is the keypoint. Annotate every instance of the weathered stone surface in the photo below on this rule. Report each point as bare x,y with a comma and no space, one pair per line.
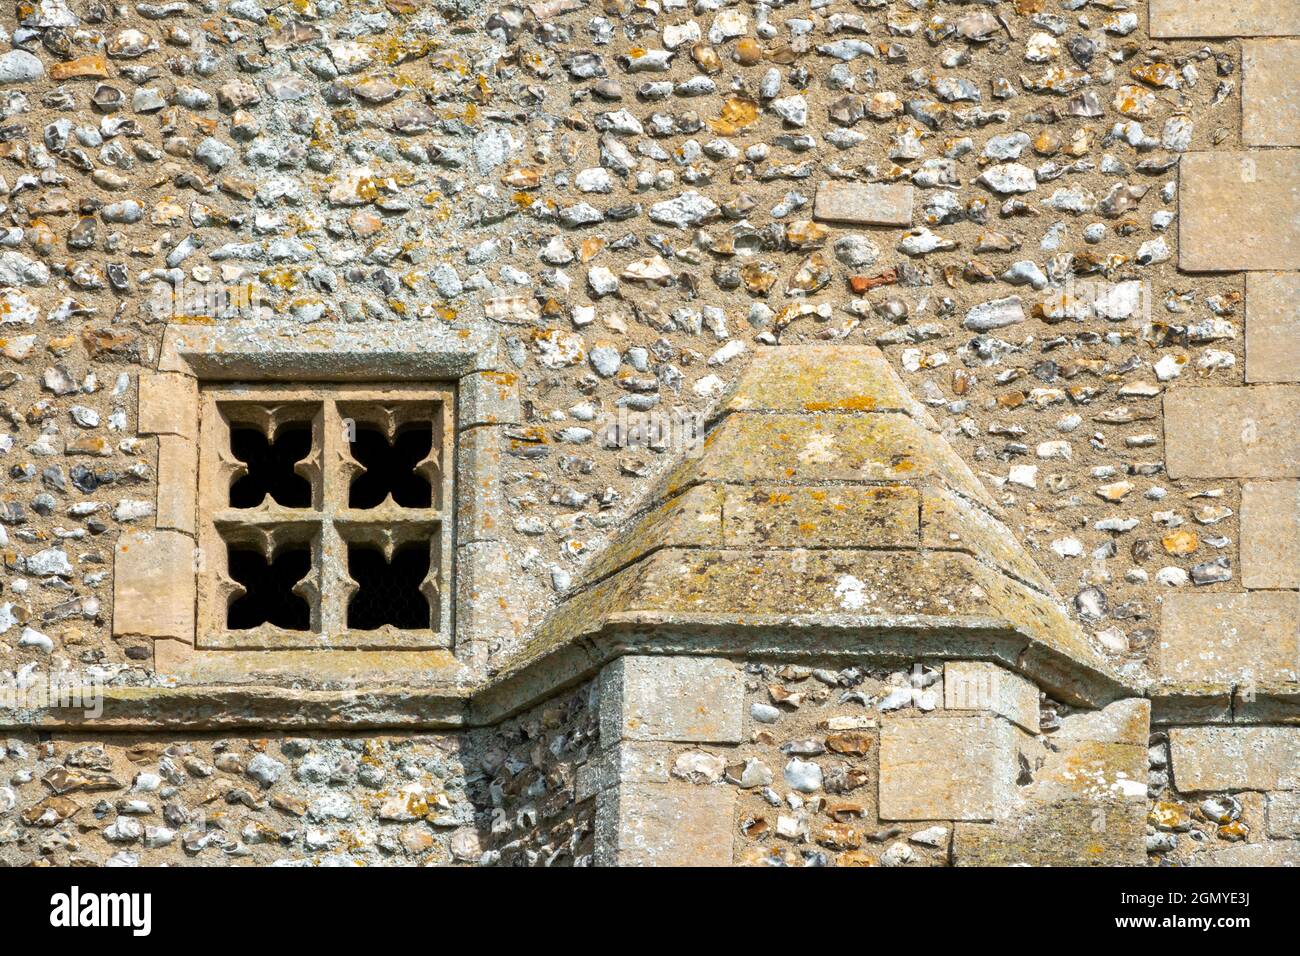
1085,801
1273,324
951,768
1230,638
865,204
688,699
1232,432
488,398
1251,854
484,586
1122,722
669,824
949,522
1238,211
1224,18
782,516
1235,758
822,378
1076,833
169,656
693,518
178,463
478,471
862,583
153,585
169,404
1270,534
1270,92
256,350
1095,756
980,685
1283,814
634,762
825,447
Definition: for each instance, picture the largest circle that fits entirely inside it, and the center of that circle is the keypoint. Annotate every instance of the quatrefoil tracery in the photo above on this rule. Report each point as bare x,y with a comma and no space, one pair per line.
393,455
335,507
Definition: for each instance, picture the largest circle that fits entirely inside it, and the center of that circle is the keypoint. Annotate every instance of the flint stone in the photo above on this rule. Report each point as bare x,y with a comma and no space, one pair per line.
995,314
19,66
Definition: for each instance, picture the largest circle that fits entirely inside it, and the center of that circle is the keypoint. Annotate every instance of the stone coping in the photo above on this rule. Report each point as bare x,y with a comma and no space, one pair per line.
1222,703
840,641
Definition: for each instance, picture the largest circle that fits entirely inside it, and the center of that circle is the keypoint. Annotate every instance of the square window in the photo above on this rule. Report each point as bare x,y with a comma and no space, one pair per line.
325,516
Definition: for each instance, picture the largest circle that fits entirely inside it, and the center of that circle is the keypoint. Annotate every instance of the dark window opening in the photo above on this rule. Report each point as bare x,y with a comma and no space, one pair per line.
270,466
388,593
269,598
390,469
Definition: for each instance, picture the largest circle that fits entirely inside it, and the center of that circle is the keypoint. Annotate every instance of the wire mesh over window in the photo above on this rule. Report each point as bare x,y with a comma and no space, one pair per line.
323,516
269,466
269,596
388,592
391,467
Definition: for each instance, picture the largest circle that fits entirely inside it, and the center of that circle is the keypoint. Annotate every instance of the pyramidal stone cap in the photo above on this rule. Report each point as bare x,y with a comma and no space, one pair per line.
825,514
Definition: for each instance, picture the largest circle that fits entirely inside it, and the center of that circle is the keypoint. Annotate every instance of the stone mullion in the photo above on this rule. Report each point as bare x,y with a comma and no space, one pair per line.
336,587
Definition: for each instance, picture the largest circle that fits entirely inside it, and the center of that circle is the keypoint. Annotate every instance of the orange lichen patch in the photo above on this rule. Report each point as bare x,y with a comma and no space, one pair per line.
1156,74
1169,816
852,403
62,344
737,113
86,445
1132,101
98,341
1180,542
532,434
851,516
450,61
280,278
392,50
748,51
805,234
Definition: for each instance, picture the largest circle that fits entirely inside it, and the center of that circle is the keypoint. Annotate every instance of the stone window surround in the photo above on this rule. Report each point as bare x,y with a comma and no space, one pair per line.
333,525
169,408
